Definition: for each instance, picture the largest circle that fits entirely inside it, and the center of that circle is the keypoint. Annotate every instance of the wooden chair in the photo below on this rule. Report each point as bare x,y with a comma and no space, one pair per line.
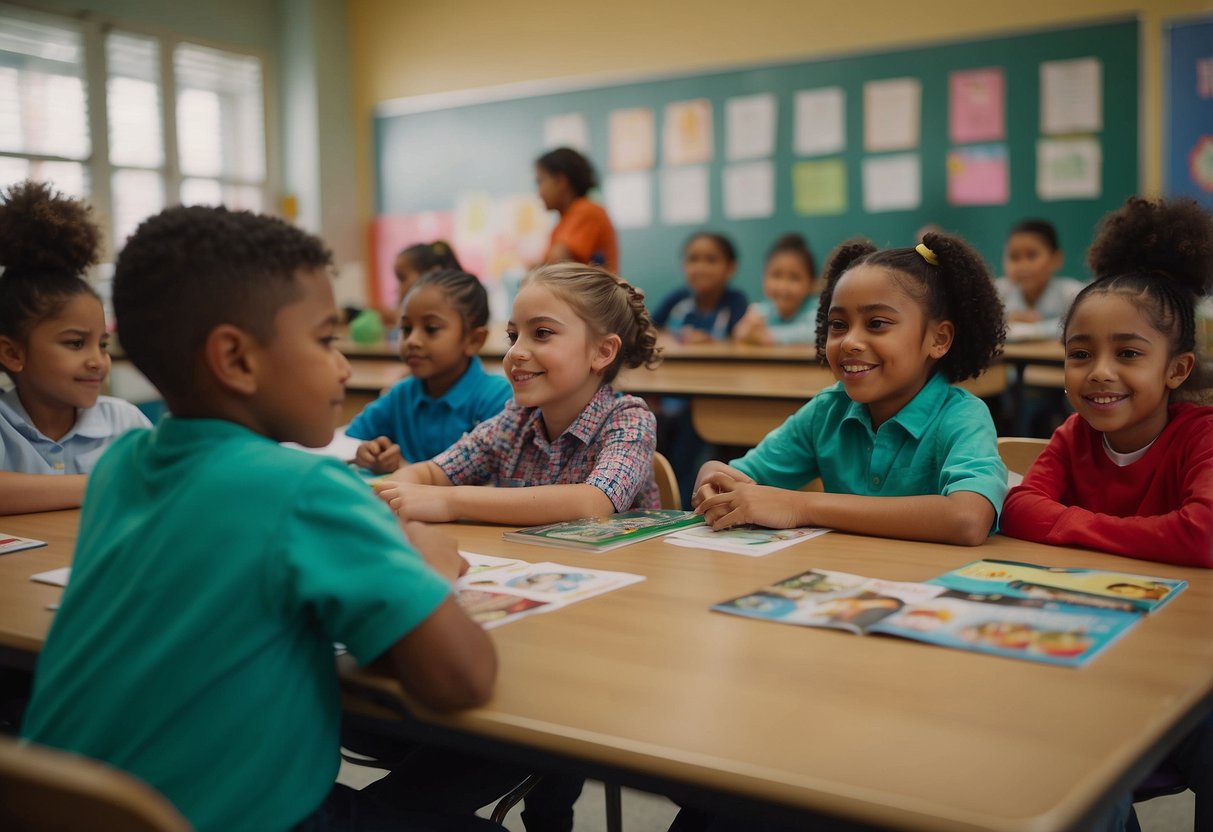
44,790
1019,452
667,482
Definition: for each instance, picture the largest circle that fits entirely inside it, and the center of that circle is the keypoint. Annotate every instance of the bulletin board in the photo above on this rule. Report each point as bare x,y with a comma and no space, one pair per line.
994,130
1189,122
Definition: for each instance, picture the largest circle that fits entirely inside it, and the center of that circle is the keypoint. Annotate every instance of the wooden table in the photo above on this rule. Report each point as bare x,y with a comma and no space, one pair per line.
647,687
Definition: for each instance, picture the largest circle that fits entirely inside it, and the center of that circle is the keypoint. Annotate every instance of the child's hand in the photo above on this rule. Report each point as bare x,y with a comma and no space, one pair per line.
752,328
438,548
704,488
691,335
380,455
737,503
427,503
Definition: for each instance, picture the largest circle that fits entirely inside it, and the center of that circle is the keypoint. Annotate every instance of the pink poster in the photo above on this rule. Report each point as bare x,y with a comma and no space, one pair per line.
978,105
979,175
390,233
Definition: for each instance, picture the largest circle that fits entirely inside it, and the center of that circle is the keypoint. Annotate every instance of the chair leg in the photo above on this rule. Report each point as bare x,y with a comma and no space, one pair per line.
614,807
513,797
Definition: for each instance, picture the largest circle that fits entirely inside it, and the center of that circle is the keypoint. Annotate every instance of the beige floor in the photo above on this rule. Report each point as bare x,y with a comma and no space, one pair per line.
644,812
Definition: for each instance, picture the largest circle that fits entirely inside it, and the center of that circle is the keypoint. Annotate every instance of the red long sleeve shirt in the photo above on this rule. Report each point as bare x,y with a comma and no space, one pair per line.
1158,508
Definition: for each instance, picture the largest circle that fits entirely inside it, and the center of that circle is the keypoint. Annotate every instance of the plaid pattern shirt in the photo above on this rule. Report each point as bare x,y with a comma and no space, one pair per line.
610,446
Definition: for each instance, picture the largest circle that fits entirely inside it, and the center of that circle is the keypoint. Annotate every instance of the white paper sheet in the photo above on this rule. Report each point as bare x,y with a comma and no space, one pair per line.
629,199
686,134
633,138
1071,96
750,126
684,195
821,124
1068,168
892,183
566,130
892,110
749,190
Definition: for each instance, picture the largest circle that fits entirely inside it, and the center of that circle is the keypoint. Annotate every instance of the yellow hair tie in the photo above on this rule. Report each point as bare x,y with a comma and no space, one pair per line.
927,254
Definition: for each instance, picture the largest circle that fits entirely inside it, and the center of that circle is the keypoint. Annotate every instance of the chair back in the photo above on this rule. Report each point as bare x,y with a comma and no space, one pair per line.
45,790
667,482
1019,452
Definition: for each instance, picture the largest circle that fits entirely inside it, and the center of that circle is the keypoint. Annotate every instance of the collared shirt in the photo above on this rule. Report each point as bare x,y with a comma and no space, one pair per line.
25,449
610,446
680,309
423,425
798,328
1052,304
942,441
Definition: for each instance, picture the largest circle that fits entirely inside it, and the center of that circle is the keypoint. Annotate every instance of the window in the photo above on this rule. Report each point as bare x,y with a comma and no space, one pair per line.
134,155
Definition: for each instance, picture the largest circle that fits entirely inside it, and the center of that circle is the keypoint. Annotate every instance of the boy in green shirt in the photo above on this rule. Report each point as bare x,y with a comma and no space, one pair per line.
215,569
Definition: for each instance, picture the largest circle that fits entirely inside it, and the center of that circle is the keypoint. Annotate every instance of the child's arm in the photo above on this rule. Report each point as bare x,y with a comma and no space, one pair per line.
22,493
962,517
1184,537
752,328
529,506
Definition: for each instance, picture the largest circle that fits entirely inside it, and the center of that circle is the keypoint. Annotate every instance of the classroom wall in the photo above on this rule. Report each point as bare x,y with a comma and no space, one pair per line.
433,46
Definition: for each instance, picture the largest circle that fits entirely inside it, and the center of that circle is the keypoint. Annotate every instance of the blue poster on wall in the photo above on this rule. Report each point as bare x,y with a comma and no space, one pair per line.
1190,111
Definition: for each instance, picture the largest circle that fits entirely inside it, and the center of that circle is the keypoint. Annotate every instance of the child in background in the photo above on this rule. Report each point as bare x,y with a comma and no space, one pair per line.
706,309
900,450
214,568
566,446
54,423
584,234
789,313
1034,297
420,259
1132,471
443,327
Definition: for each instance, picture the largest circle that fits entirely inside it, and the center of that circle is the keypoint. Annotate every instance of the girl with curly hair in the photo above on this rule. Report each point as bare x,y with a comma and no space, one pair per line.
901,452
54,423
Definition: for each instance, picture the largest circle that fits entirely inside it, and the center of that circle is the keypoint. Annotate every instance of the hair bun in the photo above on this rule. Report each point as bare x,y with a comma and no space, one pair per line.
791,240
44,232
1170,237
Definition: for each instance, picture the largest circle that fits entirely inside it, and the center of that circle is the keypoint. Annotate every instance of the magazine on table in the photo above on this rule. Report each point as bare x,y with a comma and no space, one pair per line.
753,541
601,534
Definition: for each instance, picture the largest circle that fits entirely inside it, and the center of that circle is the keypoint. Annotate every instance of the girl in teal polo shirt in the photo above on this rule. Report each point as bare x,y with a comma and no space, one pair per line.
901,452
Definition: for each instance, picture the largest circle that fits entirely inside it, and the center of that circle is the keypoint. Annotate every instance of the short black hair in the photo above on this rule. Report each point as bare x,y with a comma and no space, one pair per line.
795,244
573,166
959,289
1043,229
464,291
722,242
47,241
189,269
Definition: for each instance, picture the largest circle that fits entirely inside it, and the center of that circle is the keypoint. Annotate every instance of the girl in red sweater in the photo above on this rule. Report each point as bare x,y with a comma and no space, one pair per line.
1132,471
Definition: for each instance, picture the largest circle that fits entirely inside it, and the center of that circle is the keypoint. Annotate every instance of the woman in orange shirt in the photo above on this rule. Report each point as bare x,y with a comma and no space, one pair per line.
585,233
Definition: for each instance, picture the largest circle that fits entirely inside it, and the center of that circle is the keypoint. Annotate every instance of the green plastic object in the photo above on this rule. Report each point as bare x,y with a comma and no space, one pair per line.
367,328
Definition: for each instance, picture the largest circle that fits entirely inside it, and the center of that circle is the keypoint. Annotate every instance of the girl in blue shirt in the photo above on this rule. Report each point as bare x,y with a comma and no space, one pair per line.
788,314
900,451
54,423
443,326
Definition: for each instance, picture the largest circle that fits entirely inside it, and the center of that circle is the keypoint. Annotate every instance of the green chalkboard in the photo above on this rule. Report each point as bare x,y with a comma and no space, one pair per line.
425,159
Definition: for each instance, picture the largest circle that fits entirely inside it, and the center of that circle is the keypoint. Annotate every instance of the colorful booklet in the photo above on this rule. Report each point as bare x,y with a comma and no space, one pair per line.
1023,628
496,591
1085,587
12,543
601,534
754,541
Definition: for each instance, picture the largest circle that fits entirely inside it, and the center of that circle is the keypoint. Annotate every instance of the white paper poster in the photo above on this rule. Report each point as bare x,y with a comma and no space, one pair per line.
567,130
892,183
684,195
749,190
629,199
1068,168
821,124
750,126
633,139
687,133
1071,96
892,111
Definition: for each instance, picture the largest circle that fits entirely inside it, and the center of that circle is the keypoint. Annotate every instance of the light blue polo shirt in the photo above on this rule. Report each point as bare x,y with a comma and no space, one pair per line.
943,441
26,450
424,426
798,328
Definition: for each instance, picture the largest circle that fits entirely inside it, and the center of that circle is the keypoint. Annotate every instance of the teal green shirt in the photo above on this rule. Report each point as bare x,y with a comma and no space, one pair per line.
941,442
799,328
194,645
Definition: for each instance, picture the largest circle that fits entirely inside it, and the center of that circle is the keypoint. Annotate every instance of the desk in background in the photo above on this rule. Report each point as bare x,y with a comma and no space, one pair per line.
647,687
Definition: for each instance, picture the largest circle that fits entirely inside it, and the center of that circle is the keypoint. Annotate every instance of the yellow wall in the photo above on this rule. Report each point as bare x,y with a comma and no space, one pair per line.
427,46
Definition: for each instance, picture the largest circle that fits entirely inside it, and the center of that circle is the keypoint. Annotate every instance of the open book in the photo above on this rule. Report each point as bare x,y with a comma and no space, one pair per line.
496,591
749,540
1014,624
601,534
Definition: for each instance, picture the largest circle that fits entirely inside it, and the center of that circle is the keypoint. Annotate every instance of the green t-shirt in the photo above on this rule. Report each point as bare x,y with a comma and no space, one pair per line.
194,645
942,441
